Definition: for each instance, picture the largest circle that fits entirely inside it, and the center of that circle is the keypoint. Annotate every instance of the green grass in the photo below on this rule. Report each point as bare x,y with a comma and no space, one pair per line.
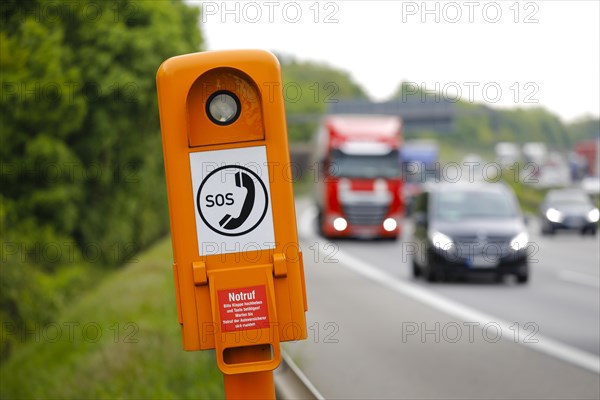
529,197
130,349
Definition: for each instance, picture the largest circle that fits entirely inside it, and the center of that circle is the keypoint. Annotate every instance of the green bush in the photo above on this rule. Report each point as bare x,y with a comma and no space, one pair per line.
81,160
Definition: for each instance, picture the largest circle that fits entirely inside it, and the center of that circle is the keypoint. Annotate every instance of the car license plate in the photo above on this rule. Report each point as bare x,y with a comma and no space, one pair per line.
574,223
483,262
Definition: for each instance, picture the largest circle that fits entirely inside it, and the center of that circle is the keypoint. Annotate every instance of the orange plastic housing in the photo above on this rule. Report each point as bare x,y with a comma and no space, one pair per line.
184,85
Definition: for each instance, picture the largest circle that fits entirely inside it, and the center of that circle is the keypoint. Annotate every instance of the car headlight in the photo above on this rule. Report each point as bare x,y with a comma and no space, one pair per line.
554,215
594,215
441,241
520,241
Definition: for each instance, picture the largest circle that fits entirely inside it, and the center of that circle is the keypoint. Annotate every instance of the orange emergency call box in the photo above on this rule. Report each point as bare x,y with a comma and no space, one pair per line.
238,268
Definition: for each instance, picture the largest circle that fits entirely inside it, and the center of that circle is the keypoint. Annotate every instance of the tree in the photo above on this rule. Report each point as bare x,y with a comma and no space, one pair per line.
308,90
81,155
483,126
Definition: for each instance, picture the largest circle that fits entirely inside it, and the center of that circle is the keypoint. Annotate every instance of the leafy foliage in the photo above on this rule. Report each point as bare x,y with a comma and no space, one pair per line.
584,128
308,90
483,126
82,174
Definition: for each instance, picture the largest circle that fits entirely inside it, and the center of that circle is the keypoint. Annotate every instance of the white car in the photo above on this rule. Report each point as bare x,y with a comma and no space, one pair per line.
591,185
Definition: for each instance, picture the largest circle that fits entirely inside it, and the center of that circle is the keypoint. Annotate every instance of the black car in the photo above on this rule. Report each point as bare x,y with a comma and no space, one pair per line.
469,228
568,209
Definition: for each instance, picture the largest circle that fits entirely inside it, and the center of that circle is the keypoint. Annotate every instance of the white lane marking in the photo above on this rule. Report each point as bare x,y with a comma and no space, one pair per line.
579,278
544,344
307,221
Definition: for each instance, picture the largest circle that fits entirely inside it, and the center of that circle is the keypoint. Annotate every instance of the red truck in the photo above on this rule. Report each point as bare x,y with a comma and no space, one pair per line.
588,149
359,190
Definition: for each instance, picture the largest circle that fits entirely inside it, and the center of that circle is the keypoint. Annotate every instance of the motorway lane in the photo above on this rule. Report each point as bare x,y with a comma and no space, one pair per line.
359,344
561,301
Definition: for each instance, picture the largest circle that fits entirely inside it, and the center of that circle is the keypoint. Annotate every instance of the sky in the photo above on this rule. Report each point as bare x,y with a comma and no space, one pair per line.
500,53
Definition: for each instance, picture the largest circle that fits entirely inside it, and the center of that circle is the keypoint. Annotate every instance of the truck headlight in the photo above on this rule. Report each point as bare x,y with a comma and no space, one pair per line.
339,224
390,224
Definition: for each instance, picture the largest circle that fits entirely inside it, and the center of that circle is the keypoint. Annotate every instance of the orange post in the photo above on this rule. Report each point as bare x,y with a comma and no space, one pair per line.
238,268
251,385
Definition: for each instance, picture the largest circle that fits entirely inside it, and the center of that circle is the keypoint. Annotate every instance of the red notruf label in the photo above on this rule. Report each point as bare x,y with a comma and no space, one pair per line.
243,308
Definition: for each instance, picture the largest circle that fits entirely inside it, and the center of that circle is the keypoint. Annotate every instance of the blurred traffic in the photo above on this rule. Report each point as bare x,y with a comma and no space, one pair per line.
369,177
373,183
485,235
568,209
445,162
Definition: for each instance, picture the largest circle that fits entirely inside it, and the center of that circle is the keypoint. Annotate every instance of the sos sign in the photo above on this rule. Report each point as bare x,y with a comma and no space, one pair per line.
211,202
232,201
231,217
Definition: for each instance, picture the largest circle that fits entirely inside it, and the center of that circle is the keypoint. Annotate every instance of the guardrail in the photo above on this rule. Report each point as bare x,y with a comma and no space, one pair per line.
291,383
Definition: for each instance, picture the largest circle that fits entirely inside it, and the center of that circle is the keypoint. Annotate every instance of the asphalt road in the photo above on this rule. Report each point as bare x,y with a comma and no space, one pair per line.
375,332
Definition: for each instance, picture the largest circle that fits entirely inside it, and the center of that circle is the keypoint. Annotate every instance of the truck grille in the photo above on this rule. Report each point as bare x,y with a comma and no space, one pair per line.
365,214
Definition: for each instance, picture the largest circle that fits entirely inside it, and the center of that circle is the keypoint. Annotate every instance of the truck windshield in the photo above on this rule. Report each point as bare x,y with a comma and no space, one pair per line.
364,166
